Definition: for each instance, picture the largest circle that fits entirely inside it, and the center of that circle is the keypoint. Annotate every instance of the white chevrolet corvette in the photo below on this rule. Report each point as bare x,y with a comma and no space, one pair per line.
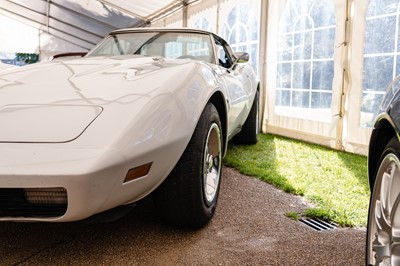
145,111
6,66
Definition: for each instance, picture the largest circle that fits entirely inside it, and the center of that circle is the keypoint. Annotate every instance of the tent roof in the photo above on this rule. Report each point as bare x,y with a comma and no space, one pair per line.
85,22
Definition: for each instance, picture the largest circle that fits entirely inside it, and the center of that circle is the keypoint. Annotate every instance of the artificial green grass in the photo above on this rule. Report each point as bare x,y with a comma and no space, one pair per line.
334,182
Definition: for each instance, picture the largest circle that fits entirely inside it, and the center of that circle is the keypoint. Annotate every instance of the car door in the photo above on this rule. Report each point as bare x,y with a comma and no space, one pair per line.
238,86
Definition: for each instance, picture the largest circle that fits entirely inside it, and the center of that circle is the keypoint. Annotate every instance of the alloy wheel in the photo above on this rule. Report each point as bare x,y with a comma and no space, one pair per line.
212,163
384,218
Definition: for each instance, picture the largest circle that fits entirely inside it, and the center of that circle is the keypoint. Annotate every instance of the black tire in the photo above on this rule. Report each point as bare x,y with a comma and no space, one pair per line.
185,198
248,134
384,205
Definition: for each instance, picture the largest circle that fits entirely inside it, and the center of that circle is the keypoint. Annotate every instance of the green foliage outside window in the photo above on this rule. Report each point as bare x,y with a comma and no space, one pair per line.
27,58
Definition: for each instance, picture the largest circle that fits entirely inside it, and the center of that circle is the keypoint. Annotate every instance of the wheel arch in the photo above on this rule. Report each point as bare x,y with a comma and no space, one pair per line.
383,132
218,100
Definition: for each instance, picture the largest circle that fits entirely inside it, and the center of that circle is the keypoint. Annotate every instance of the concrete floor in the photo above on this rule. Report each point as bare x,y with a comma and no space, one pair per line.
249,228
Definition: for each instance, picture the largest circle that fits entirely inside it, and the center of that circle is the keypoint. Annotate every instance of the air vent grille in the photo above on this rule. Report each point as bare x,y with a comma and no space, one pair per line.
317,224
19,202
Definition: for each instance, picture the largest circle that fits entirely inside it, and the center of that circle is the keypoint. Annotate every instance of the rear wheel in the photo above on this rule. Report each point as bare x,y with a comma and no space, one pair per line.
248,134
383,230
189,195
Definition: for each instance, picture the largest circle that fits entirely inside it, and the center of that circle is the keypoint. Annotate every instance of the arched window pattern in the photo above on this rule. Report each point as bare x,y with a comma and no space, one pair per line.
381,54
305,63
241,31
202,23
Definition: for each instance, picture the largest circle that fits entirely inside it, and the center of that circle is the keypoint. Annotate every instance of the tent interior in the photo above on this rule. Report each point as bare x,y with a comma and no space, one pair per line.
323,65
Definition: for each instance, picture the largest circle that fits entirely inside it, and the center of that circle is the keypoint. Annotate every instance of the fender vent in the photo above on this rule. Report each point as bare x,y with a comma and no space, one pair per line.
318,225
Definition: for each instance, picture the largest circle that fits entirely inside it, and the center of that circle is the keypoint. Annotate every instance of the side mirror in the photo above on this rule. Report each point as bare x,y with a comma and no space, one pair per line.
242,57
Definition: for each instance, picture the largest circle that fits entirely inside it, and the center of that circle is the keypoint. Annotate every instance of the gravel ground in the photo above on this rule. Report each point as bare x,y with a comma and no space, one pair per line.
249,228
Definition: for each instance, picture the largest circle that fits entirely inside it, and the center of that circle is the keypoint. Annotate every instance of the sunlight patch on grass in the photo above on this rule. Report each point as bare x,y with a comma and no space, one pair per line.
334,182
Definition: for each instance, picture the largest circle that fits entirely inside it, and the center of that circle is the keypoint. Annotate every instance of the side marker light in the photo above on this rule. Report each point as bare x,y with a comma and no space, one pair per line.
137,172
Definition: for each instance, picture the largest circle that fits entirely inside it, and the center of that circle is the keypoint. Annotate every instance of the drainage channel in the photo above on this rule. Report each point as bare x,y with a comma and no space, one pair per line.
318,225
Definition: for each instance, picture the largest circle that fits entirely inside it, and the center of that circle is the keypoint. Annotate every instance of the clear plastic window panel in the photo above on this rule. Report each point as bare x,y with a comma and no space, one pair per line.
202,23
381,51
305,65
241,31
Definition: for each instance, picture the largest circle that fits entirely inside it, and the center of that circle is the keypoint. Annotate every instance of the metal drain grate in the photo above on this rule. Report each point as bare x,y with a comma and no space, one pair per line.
318,225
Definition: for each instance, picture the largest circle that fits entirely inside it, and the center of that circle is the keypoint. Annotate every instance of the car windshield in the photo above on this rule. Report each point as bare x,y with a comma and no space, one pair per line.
171,45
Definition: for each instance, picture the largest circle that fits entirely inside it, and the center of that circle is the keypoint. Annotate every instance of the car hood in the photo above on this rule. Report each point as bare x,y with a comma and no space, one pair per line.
57,101
33,124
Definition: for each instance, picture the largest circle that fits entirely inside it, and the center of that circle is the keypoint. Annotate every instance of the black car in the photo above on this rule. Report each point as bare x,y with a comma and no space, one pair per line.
383,230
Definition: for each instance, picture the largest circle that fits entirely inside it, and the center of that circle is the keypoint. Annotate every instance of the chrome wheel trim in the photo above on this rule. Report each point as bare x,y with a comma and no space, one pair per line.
212,163
384,219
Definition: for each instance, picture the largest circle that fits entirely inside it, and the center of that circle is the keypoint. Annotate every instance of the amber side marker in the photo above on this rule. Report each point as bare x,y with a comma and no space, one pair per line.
137,172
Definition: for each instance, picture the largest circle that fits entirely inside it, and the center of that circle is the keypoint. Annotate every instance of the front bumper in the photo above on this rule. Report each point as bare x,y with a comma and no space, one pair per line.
93,180
49,184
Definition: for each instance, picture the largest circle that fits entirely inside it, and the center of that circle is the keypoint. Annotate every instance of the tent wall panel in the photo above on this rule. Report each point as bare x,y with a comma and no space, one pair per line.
356,137
337,127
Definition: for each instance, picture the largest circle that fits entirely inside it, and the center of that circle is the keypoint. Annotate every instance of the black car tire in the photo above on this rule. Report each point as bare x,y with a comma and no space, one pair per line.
384,207
248,134
188,197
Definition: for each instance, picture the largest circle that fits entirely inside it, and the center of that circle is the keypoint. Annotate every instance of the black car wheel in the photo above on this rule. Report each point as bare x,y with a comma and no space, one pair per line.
248,134
383,230
189,195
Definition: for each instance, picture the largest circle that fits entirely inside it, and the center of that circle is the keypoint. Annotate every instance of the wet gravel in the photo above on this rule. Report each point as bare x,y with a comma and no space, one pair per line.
249,228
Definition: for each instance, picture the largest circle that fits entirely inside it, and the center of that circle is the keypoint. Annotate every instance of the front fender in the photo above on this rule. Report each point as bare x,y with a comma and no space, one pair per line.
162,129
384,130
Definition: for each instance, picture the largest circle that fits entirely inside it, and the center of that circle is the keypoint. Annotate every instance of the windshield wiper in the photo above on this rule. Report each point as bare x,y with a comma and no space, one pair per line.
152,39
121,52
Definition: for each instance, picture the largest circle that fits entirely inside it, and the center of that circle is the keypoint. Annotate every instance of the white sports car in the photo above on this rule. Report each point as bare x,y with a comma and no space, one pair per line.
145,111
4,66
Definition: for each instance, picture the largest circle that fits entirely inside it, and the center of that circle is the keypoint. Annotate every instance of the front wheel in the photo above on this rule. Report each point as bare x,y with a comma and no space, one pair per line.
383,230
188,197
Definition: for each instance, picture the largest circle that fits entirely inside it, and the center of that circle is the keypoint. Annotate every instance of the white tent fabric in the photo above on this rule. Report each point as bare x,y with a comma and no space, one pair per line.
74,25
144,10
318,125
342,126
17,36
356,135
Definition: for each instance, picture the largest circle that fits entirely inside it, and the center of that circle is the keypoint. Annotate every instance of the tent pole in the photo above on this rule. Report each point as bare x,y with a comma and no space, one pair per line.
343,88
218,7
263,59
185,13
